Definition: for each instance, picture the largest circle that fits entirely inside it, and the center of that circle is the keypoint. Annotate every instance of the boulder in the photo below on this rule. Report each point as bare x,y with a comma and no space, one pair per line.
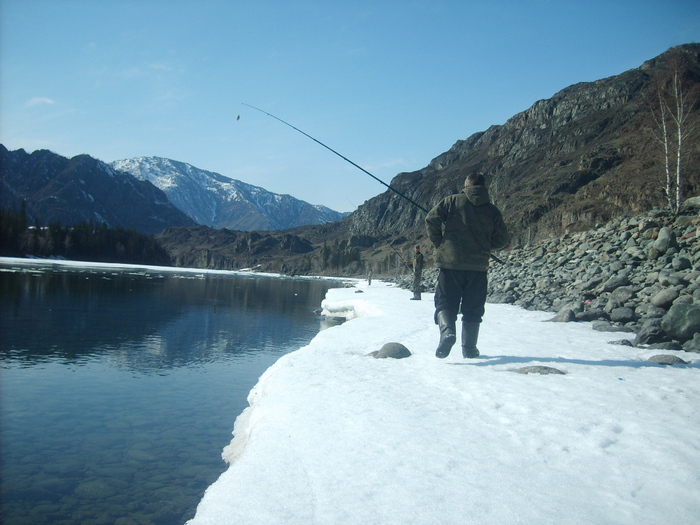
650,333
621,279
681,263
691,204
664,241
565,316
664,299
592,315
665,359
692,345
393,350
623,315
682,321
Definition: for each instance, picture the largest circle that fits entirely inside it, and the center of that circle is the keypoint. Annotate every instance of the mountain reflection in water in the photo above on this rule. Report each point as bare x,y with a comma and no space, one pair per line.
120,385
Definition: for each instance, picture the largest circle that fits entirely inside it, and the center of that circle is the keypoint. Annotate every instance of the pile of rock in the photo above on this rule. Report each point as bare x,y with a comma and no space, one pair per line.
634,274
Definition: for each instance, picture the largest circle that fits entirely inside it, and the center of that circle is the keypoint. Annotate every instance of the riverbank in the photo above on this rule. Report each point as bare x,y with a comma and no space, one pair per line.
333,435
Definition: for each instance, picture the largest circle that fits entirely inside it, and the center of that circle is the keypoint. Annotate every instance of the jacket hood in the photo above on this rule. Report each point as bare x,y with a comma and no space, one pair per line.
477,195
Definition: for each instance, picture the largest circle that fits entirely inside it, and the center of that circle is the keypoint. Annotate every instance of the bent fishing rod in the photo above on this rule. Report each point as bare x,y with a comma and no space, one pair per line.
341,156
351,162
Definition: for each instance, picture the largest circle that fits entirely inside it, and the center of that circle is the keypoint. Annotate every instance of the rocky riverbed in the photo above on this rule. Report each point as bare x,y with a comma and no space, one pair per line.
638,275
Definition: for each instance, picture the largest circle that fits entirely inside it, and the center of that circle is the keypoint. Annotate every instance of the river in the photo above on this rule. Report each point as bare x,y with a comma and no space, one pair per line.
120,385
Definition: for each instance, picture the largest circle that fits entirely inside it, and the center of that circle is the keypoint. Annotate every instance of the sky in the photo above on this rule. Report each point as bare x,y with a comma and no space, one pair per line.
388,84
334,436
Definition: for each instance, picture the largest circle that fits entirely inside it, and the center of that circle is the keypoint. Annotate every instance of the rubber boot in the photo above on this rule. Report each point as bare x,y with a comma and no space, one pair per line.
470,335
446,323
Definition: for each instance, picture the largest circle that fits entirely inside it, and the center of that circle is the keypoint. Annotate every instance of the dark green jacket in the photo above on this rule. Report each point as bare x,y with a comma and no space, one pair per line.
464,228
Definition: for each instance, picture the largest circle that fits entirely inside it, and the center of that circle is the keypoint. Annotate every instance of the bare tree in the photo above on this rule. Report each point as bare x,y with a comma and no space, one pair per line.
672,107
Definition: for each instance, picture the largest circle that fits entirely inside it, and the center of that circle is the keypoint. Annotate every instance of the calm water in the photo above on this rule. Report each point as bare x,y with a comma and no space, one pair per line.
120,386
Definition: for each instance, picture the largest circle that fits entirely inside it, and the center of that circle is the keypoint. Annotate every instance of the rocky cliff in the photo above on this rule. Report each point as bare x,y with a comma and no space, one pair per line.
584,156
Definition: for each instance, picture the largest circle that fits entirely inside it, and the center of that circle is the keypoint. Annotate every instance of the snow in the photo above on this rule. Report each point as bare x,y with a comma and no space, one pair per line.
38,265
333,436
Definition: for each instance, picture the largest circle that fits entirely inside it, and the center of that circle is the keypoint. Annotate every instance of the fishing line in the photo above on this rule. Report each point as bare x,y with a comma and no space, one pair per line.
341,156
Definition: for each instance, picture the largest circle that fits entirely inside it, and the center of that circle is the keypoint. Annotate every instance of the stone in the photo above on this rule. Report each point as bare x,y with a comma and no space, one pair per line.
565,316
692,345
544,370
664,299
605,326
684,299
682,321
677,279
623,315
691,204
621,342
393,350
665,359
593,314
650,332
681,263
665,240
649,311
590,284
621,279
622,294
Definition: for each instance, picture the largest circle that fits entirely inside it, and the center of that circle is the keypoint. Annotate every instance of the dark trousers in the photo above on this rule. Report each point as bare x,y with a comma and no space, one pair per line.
416,282
461,287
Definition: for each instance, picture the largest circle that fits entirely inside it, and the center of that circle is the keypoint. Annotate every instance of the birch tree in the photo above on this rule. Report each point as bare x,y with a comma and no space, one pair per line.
673,109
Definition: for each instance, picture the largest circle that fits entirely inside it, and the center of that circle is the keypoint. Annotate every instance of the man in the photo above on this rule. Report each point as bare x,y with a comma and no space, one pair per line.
417,273
463,229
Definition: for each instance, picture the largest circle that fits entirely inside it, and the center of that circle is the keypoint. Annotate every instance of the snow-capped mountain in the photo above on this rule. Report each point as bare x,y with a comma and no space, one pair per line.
54,188
220,202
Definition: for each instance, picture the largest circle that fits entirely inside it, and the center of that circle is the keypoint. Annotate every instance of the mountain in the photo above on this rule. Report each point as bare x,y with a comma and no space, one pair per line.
585,156
55,188
213,200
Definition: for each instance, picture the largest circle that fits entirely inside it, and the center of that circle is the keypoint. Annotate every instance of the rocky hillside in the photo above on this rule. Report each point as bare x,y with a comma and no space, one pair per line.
584,156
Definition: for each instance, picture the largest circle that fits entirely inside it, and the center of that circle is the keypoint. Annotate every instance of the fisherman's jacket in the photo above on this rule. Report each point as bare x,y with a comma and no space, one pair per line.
464,228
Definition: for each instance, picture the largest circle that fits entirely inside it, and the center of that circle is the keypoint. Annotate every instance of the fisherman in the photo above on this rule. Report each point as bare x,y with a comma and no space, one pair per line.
463,229
417,273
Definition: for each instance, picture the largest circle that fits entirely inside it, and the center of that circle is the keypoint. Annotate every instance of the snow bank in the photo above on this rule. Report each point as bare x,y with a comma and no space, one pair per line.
333,436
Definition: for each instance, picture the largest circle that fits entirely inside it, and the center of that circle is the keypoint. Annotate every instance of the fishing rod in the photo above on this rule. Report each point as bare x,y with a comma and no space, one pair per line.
341,156
351,162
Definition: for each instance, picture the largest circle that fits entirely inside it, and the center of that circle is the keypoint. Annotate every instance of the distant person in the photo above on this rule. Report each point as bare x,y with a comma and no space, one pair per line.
369,278
417,273
463,229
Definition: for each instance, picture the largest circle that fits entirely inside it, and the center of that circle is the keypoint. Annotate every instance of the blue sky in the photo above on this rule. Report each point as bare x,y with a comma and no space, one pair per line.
389,84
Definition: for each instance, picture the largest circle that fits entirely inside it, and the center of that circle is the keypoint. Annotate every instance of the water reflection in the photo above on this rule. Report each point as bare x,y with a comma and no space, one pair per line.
120,386
149,321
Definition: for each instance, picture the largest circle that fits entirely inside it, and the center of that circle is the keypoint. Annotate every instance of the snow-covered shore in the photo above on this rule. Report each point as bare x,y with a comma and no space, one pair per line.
333,436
